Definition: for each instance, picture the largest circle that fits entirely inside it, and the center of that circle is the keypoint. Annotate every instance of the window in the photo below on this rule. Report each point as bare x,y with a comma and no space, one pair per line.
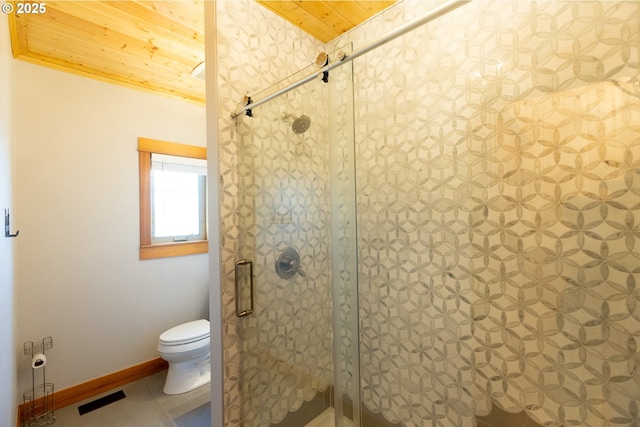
178,196
173,217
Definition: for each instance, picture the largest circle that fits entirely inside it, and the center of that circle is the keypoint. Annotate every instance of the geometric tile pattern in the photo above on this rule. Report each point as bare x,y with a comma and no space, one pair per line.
498,170
284,201
287,341
255,49
498,215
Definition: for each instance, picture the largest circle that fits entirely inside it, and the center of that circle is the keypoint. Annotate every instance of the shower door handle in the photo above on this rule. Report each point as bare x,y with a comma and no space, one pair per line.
238,274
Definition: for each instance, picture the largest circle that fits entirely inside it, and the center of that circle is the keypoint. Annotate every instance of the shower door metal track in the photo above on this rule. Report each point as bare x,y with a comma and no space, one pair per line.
400,31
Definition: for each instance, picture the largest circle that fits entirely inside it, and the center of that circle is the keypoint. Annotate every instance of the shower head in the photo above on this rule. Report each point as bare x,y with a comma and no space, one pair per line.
300,124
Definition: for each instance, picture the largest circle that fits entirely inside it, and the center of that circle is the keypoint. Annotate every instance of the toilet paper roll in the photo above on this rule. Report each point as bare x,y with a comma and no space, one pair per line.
38,361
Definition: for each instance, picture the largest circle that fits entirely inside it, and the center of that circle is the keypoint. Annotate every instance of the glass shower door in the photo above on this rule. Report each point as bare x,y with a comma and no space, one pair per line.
296,280
284,213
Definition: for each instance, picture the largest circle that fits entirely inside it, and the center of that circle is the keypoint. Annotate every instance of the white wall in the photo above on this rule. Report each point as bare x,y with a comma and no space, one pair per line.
7,352
79,277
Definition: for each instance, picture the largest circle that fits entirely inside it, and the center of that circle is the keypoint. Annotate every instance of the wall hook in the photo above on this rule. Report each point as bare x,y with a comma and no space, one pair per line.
7,225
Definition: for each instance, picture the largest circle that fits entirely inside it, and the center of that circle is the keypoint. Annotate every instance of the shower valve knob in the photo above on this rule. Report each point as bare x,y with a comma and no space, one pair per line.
288,264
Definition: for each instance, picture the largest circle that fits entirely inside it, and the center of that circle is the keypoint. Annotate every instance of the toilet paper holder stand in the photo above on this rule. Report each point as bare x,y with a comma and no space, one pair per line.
38,400
31,348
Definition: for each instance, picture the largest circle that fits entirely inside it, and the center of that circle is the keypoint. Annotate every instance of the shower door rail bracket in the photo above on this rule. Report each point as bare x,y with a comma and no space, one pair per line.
437,12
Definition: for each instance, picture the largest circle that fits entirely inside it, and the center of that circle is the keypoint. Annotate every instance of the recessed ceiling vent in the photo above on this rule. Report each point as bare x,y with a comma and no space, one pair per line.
198,71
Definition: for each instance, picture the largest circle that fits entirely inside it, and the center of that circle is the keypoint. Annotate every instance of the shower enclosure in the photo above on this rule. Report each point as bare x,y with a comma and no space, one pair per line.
285,212
458,226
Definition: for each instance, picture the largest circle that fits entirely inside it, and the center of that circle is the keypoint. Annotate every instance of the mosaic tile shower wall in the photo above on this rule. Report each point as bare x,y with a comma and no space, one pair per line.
498,171
255,49
498,200
284,203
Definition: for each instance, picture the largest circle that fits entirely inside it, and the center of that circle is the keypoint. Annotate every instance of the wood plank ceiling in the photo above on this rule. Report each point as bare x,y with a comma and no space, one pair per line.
153,45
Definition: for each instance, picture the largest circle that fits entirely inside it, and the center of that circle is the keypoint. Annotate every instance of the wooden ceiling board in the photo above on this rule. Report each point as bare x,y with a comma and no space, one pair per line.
122,67
109,43
329,16
143,15
293,12
356,12
375,7
123,77
190,15
104,15
117,78
135,60
125,64
351,11
123,32
116,47
19,34
325,20
154,45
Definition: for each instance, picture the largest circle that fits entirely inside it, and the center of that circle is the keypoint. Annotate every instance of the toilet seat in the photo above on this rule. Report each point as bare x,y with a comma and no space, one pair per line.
195,346
186,333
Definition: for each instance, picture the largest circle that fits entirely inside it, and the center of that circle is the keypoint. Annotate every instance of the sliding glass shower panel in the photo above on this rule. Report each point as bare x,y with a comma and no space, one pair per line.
498,189
284,214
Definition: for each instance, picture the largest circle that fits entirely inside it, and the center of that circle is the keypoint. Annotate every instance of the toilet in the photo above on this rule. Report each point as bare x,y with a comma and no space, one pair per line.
186,348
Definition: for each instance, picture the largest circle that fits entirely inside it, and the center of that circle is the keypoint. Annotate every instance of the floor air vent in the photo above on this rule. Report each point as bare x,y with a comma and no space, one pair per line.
99,403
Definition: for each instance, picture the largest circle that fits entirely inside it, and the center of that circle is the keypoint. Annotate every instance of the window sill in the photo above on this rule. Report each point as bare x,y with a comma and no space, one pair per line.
166,250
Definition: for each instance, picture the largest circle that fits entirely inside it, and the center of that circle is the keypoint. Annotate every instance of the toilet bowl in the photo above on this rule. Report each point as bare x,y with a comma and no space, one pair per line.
186,349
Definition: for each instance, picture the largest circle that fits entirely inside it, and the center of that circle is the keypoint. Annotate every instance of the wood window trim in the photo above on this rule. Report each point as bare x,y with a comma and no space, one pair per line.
146,147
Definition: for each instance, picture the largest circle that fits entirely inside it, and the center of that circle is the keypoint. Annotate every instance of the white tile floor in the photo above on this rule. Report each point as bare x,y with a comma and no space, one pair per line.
144,406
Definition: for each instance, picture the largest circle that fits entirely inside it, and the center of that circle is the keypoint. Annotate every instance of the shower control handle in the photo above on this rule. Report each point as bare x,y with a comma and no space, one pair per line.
293,265
288,264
